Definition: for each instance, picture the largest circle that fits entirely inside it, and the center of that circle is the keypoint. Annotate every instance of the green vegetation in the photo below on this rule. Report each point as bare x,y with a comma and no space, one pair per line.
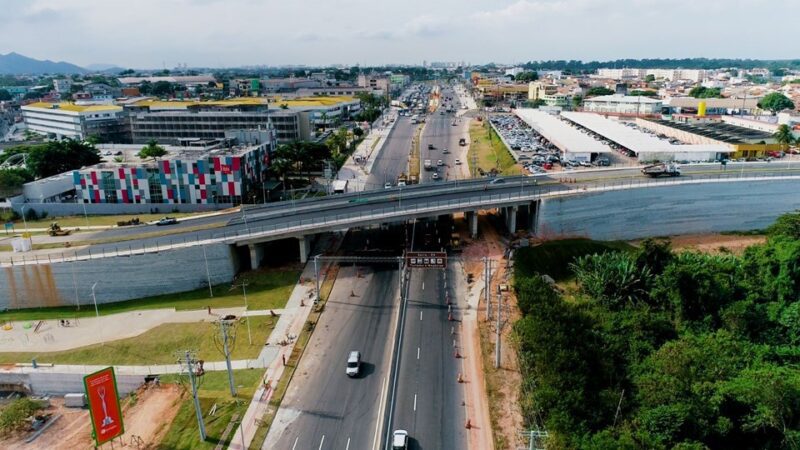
266,289
158,345
5,95
598,90
183,434
775,102
577,66
643,92
704,92
152,150
666,350
526,77
14,415
492,154
784,136
52,158
371,106
553,257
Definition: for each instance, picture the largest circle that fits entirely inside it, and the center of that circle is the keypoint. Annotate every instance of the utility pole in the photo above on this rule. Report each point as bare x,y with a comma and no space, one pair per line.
191,362
223,327
243,285
499,326
208,273
316,276
487,284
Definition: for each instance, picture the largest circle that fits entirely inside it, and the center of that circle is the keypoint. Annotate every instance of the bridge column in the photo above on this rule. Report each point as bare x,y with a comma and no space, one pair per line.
256,255
511,219
472,219
304,248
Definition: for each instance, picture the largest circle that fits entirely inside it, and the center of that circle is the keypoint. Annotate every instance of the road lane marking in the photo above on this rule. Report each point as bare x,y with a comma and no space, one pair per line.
348,444
295,442
417,352
321,441
381,405
415,402
423,285
420,315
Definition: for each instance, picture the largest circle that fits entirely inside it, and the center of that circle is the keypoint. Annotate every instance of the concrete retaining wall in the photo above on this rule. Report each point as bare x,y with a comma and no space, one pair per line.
118,278
58,384
669,210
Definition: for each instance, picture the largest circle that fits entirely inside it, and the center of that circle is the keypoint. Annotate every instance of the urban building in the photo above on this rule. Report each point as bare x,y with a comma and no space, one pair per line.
69,120
188,80
694,75
713,106
537,90
62,86
622,104
375,81
399,80
226,171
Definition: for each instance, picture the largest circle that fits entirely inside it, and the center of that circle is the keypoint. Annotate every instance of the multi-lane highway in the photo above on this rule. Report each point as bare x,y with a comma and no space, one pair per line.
440,132
324,408
393,158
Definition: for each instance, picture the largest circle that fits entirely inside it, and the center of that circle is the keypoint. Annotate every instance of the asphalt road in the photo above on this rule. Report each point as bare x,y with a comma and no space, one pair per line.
440,132
428,400
324,408
393,159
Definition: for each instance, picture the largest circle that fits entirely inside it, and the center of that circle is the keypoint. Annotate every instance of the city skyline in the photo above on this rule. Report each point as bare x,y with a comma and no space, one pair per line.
212,33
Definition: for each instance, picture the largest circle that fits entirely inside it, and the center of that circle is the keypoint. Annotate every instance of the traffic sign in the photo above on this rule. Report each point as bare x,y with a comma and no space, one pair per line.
104,408
426,260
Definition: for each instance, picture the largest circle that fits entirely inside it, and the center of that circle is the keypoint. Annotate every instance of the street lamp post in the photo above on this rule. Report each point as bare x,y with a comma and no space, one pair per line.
244,293
94,299
25,221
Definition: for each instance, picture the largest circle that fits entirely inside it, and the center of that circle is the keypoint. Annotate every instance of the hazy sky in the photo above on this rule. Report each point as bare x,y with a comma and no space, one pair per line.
156,33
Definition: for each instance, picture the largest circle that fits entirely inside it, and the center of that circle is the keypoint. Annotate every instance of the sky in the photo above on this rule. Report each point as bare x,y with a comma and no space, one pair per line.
151,34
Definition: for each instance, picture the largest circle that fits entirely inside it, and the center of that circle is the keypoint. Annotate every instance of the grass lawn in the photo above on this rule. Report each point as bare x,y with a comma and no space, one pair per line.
213,389
266,289
553,257
158,346
492,153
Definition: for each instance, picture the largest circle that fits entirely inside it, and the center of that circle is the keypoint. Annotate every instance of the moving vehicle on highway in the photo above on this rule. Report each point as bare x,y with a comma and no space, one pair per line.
427,164
353,364
663,169
167,221
462,142
400,440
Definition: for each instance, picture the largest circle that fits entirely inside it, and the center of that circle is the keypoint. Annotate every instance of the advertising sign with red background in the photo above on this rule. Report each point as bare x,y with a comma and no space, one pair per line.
104,407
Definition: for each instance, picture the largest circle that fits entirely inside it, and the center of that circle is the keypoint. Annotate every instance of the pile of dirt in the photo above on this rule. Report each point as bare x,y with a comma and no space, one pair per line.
713,243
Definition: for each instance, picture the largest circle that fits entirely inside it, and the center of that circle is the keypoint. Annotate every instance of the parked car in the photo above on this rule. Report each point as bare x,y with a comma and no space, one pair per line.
497,181
167,221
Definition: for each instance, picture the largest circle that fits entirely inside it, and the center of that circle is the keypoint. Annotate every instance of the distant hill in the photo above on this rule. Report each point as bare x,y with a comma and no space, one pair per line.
107,68
14,63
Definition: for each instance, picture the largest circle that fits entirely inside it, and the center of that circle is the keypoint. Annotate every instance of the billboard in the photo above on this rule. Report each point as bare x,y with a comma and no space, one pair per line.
104,407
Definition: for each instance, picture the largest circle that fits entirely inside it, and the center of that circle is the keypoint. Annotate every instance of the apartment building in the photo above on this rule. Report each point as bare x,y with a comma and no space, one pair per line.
69,120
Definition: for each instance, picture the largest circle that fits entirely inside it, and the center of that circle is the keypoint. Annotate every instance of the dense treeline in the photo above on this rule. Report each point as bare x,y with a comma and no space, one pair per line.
664,350
577,66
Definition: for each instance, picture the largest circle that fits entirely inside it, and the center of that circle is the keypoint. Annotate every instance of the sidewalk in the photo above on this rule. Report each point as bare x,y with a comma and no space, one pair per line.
289,326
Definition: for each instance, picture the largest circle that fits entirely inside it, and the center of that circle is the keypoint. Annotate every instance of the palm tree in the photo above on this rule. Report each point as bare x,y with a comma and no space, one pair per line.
784,136
324,117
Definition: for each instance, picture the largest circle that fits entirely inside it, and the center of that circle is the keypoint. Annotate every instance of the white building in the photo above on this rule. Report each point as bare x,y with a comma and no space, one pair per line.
695,75
623,104
62,86
514,71
620,74
68,120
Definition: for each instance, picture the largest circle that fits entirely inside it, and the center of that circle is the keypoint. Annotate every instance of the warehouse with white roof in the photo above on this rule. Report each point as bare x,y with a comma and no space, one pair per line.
574,145
646,146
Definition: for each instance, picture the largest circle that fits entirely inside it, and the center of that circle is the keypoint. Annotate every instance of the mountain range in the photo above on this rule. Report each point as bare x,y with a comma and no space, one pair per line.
16,64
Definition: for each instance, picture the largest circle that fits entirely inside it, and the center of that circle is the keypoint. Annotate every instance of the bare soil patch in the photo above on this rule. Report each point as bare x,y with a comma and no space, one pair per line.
713,242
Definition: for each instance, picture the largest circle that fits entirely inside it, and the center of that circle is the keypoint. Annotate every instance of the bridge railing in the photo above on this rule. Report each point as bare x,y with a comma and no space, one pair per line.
528,191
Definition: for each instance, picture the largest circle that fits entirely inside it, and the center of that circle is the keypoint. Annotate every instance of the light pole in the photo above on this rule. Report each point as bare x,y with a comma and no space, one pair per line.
244,217
85,216
25,221
94,299
247,315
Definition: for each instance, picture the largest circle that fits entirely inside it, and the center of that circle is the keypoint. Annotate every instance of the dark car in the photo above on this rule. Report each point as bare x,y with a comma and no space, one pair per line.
167,221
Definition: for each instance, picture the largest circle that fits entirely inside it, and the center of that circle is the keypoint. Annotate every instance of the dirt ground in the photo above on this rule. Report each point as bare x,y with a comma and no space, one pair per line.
713,243
146,422
503,384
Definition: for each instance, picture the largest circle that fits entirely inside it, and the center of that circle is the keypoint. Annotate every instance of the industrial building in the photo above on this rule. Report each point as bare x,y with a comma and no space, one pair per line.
70,120
646,147
623,105
574,145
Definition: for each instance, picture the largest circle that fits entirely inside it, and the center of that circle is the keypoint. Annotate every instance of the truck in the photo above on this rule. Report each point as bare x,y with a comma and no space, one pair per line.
662,169
427,164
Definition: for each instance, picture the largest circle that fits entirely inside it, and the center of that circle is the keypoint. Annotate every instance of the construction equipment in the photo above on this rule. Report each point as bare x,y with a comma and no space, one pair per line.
663,169
56,230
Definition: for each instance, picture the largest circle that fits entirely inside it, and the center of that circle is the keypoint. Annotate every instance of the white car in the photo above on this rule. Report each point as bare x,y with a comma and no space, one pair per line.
400,440
440,163
387,185
435,176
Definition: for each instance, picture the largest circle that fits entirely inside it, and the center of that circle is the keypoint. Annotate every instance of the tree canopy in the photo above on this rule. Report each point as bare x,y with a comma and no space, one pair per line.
58,157
152,150
527,77
704,92
599,90
662,349
775,102
5,95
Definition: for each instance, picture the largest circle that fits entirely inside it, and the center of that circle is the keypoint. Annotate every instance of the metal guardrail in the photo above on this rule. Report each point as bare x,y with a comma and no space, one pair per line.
397,211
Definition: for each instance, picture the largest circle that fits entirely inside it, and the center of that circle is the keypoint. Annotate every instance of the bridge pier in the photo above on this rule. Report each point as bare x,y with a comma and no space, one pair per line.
256,255
305,248
472,222
511,219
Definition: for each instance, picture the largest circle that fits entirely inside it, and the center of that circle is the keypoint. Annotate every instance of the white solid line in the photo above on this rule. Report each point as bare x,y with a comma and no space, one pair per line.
420,315
348,444
415,402
417,352
380,408
295,442
321,441
423,285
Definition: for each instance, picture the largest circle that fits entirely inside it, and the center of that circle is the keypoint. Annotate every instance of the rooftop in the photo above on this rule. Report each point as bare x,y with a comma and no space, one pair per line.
559,133
732,103
275,102
618,98
633,139
724,132
72,107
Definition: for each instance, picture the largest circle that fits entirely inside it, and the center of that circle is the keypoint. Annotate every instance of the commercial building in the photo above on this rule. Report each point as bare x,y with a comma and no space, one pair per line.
574,145
292,119
622,104
374,81
227,171
69,120
714,106
188,81
694,75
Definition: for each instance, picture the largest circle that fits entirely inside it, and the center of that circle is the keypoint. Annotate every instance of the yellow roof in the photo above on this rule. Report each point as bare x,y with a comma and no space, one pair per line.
74,108
247,101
